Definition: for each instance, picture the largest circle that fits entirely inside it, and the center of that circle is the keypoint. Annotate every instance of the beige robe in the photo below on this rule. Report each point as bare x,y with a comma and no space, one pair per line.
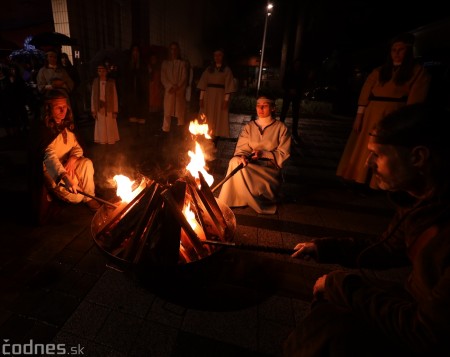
216,84
352,165
174,74
257,185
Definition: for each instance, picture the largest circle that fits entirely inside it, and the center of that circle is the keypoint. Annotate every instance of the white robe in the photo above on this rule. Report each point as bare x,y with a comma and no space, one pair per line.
257,185
174,74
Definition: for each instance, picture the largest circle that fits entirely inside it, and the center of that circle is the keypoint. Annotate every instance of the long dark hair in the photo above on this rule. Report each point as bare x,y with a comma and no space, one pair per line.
47,116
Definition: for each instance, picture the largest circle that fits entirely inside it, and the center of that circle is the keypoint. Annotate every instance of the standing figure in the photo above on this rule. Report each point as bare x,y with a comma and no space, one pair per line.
135,87
59,165
104,107
400,81
358,312
292,84
216,84
53,75
156,89
262,148
174,80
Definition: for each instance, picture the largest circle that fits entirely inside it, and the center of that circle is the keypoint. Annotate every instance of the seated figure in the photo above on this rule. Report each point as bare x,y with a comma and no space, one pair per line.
59,165
263,147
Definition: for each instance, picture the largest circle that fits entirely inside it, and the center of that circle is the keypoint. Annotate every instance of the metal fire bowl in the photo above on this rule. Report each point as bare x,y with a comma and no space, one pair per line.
103,215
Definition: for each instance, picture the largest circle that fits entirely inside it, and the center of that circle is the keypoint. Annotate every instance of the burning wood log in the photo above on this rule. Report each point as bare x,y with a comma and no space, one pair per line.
206,217
139,236
212,207
176,210
164,226
112,233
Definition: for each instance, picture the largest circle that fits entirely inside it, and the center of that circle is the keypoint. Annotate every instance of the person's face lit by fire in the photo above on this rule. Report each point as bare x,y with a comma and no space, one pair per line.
398,52
58,109
264,107
393,166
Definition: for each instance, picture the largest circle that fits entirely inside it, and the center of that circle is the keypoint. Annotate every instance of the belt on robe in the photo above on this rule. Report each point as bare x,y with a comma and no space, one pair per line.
388,99
216,85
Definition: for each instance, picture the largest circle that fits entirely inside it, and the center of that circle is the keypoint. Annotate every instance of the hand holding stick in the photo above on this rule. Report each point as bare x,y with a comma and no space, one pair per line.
232,173
93,197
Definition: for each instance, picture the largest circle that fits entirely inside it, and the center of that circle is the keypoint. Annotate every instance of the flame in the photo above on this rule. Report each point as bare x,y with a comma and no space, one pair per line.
124,188
198,164
196,128
190,216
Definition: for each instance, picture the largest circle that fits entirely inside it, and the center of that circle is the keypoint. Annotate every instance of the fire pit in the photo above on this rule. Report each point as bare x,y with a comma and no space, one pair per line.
164,225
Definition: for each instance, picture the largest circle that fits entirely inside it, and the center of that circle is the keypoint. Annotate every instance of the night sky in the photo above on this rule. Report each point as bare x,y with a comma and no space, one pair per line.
343,25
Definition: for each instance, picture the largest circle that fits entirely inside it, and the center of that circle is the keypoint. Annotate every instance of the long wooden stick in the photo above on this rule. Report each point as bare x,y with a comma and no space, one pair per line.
258,248
232,173
94,198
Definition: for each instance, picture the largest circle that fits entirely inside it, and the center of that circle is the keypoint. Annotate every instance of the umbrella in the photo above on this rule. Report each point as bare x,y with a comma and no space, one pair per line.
52,39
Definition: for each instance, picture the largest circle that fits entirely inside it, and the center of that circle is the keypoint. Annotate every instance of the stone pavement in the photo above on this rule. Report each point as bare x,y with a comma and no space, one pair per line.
58,287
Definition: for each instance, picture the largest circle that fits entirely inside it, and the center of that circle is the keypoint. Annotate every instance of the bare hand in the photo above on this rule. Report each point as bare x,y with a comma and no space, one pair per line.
319,286
257,154
70,184
243,160
306,251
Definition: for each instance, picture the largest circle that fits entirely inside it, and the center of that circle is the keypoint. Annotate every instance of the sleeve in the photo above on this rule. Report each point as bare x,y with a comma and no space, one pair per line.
54,166
164,76
183,80
242,145
76,150
366,89
230,84
419,89
283,151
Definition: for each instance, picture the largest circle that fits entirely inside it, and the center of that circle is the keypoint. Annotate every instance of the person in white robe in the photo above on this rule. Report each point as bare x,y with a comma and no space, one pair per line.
174,79
262,148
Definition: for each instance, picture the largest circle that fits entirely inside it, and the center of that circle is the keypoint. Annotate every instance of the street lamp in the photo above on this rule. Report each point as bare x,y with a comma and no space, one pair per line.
268,13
